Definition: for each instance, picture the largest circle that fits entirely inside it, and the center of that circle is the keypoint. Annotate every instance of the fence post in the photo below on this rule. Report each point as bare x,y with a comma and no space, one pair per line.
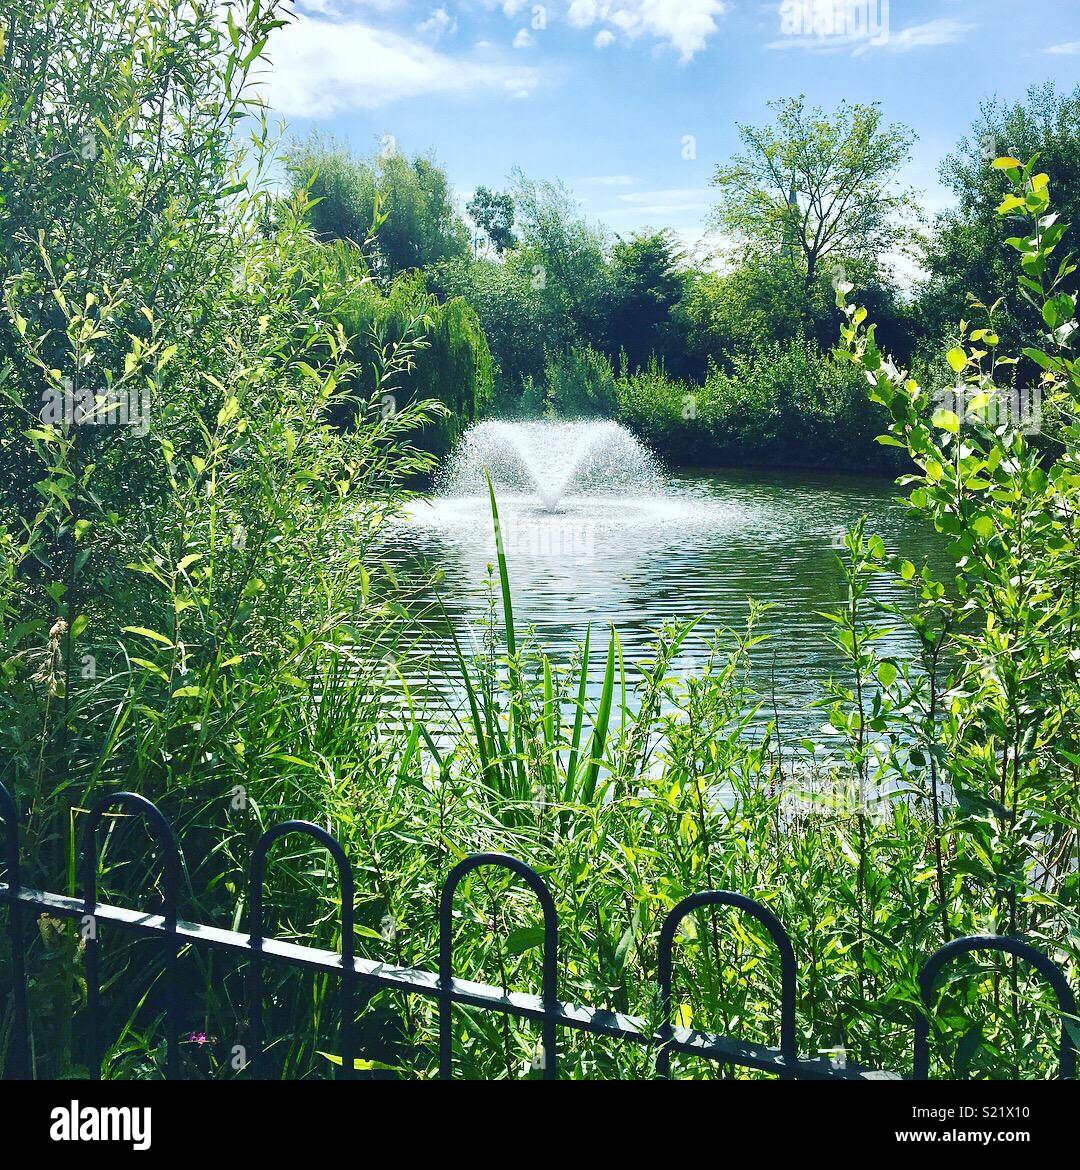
348,967
550,995
665,963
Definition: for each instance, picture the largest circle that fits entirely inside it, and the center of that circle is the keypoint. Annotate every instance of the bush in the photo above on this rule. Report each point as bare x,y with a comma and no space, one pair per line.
787,405
184,529
449,360
581,384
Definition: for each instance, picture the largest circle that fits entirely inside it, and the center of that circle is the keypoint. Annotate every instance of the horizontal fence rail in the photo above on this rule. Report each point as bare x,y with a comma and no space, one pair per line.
351,970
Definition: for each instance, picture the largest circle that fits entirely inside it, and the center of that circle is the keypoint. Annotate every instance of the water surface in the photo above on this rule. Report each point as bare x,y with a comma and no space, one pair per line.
687,544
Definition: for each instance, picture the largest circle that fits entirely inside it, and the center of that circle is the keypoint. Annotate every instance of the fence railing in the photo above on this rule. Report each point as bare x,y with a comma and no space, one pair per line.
351,970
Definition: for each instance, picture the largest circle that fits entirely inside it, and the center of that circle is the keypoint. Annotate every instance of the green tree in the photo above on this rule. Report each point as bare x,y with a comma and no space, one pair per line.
967,254
565,258
405,203
815,187
516,317
736,314
450,362
648,278
493,214
170,359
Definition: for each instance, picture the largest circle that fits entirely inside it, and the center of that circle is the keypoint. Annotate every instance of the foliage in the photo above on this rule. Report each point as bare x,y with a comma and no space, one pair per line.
814,187
966,254
763,304
513,312
580,383
998,689
409,198
649,279
566,258
781,404
195,536
493,213
194,607
449,361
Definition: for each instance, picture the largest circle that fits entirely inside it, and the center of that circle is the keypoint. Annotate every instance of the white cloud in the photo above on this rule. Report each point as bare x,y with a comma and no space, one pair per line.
1068,49
669,195
671,201
933,32
686,25
344,7
942,31
324,67
439,23
523,40
604,38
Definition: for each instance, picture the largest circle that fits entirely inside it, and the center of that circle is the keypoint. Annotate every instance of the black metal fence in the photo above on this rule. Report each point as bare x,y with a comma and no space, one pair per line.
546,1009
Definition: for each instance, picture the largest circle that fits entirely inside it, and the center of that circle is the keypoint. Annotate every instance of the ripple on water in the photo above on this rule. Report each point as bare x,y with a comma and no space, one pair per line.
682,546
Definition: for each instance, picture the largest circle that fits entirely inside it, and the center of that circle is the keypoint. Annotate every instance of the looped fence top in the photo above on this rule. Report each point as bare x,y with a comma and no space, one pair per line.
332,846
550,961
665,964
159,829
347,890
1001,944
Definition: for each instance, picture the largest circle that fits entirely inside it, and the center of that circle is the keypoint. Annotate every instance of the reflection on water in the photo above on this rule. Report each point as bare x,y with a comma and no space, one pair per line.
703,545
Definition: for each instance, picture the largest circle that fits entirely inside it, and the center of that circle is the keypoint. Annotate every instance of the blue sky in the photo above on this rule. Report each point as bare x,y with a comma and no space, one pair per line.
611,96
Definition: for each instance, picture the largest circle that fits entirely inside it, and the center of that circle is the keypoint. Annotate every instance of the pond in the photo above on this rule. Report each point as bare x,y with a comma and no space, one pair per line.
595,531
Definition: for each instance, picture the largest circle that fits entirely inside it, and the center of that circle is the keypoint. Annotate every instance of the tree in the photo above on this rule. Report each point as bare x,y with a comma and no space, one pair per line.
967,253
406,202
649,281
814,186
493,214
748,311
517,320
452,363
566,258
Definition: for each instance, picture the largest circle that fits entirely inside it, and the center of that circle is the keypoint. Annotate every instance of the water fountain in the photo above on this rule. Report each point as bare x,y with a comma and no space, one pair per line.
557,464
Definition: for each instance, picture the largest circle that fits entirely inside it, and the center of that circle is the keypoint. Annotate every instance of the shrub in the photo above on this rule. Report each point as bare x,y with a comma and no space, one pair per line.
581,384
450,362
782,405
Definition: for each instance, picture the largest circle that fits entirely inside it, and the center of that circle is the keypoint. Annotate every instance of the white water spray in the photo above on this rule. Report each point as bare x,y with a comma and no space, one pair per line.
551,463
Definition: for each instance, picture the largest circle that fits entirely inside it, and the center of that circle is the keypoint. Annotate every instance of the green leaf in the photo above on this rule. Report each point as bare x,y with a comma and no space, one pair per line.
145,633
957,358
153,667
524,939
1058,310
359,1064
946,420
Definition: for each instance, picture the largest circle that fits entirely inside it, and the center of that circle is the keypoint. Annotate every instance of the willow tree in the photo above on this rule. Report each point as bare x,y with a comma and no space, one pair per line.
817,187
